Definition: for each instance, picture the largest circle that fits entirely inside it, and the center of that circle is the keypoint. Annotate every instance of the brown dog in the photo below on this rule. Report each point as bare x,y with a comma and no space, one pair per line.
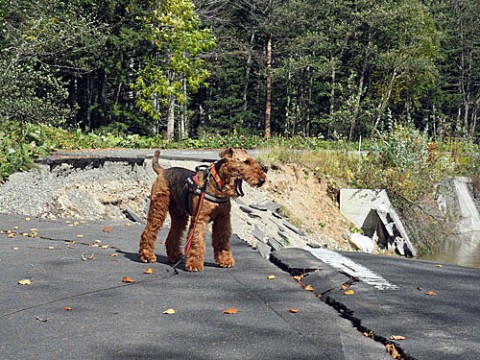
178,191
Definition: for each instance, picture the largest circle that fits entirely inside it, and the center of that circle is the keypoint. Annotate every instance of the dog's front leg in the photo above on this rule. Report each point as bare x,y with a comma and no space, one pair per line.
196,253
221,234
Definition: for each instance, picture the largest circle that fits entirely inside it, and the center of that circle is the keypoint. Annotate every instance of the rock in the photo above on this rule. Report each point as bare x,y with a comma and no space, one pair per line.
362,242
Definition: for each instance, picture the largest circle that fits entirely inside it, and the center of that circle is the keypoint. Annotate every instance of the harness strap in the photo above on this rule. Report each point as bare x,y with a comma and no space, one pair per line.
213,171
194,188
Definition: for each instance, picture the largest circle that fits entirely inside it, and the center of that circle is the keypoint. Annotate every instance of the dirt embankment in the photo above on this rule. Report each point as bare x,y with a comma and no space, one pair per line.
309,202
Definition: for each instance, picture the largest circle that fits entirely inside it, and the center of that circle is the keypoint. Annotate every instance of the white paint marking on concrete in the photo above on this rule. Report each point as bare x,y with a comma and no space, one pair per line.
352,268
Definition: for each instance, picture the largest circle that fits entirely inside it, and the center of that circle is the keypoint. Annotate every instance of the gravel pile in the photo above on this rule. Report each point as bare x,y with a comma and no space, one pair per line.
66,192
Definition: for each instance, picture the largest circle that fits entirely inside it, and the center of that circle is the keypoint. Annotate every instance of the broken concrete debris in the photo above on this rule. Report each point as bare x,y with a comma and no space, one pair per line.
372,212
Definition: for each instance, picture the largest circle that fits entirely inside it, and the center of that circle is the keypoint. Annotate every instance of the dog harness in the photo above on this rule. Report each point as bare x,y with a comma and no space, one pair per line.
194,187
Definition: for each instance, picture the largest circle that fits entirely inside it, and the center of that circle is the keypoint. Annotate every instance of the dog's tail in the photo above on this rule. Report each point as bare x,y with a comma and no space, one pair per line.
156,167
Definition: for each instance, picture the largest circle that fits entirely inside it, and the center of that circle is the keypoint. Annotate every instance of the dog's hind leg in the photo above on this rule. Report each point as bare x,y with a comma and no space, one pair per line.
174,238
157,213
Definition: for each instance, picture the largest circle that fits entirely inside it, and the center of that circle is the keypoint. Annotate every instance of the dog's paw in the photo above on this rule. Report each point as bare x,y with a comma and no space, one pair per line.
226,263
224,259
194,266
147,257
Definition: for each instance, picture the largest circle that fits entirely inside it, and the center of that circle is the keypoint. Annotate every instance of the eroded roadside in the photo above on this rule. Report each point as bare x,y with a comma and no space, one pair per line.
116,187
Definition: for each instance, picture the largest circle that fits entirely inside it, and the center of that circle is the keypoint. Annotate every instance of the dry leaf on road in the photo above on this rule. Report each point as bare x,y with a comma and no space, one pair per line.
128,280
308,288
270,277
392,351
349,292
230,311
107,229
24,282
169,311
397,337
148,271
68,308
430,293
293,311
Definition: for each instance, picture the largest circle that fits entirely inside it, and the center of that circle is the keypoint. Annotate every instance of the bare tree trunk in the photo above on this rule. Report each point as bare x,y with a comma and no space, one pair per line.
385,99
183,119
247,72
332,89
171,118
360,90
289,101
268,85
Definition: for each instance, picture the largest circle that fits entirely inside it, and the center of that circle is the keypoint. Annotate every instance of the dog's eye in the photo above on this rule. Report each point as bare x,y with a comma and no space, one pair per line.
247,162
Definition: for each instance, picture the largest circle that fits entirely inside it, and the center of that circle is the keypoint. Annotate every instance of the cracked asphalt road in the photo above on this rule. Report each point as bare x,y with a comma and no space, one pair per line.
77,307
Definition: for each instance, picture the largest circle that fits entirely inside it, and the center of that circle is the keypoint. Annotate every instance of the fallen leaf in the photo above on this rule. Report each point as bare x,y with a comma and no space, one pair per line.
51,248
230,311
270,277
349,292
148,271
169,312
308,288
392,351
293,311
80,236
25,282
27,219
15,248
15,228
298,278
104,247
439,266
128,280
345,286
107,229
430,293
11,235
113,255
397,337
97,241
68,308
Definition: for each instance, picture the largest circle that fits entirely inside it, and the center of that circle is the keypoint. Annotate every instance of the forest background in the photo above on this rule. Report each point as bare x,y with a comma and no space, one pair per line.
330,69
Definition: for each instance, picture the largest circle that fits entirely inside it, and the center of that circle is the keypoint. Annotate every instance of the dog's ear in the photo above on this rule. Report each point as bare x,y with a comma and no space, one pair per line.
227,153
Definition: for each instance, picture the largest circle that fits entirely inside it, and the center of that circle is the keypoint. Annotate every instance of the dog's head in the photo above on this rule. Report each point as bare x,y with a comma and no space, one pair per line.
235,166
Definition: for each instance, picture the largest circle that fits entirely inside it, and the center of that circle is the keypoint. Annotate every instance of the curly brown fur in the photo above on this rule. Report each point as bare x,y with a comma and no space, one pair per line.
169,196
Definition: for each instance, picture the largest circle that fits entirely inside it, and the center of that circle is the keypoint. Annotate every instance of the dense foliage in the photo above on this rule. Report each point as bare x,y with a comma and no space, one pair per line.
325,69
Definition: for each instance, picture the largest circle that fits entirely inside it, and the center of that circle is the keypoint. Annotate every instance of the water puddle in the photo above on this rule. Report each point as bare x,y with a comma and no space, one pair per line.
463,250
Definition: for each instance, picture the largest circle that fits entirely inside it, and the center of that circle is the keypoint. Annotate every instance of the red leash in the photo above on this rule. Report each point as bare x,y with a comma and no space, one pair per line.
197,216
